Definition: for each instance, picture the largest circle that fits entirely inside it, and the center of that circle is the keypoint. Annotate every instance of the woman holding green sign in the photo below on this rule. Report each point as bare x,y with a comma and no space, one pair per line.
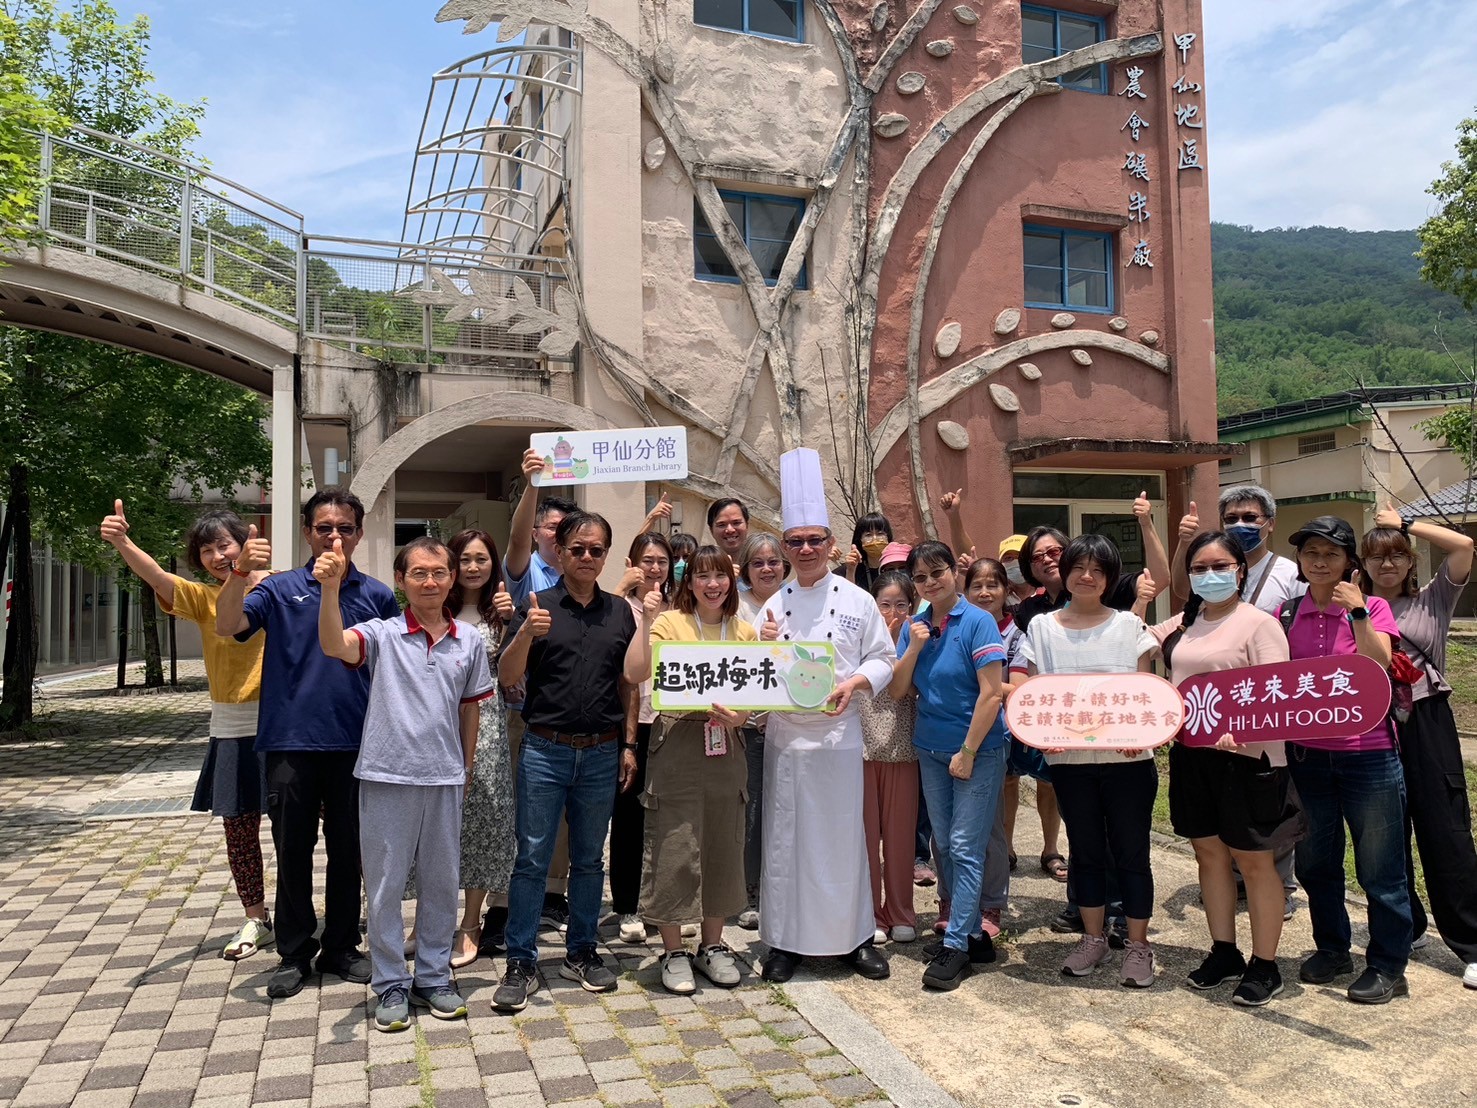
696,775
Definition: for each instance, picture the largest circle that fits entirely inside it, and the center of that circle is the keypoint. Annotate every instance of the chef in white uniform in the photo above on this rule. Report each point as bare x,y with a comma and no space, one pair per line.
815,887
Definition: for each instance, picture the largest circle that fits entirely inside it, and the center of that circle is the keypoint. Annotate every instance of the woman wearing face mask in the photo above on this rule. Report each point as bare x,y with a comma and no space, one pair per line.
693,795
1430,751
683,547
763,567
1010,558
869,538
1357,782
651,557
1234,800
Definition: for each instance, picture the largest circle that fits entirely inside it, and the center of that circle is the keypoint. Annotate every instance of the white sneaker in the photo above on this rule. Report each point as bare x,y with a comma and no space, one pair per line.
632,929
677,972
717,964
1469,978
903,934
879,937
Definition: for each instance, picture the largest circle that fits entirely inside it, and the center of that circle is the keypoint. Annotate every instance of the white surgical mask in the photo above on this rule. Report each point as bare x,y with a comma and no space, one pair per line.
1214,587
1013,573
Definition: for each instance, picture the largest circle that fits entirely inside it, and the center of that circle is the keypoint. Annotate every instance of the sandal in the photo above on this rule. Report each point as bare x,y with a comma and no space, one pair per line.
462,961
251,937
1055,866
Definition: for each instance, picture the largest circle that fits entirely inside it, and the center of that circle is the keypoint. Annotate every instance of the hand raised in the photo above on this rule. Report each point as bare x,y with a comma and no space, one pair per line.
919,632
503,604
1190,523
662,509
1142,507
1147,589
256,553
966,560
630,579
770,632
651,606
1387,517
950,501
532,464
539,620
115,526
329,568
853,557
1348,595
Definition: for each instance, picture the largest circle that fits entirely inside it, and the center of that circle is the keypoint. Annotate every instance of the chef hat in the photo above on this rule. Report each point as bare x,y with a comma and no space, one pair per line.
802,490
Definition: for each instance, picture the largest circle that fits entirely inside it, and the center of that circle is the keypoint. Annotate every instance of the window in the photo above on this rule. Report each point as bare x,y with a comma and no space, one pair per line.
1316,444
768,224
1048,33
767,18
1069,269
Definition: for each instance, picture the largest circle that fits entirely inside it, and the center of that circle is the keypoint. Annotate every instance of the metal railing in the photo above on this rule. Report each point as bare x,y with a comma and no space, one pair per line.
394,301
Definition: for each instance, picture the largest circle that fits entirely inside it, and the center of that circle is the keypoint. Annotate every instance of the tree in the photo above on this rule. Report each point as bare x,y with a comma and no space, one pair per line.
1449,238
82,423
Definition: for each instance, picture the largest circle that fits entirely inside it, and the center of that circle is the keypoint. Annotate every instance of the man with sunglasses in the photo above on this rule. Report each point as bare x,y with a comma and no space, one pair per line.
1248,513
570,643
309,729
815,884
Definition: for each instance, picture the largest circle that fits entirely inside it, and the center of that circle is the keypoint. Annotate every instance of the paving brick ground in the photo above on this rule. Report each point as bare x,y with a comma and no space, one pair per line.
112,991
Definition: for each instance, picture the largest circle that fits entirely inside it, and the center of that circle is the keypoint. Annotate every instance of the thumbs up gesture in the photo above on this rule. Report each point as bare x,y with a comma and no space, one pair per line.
1142,507
950,501
115,527
1147,590
256,553
329,568
662,509
1190,523
1386,517
1347,594
630,580
651,606
771,630
538,622
502,603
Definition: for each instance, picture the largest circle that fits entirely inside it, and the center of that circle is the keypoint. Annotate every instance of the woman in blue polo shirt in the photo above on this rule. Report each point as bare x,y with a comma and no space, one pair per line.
951,653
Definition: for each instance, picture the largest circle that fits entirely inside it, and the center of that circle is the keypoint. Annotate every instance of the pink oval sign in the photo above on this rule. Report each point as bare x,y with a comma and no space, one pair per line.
1092,711
1313,698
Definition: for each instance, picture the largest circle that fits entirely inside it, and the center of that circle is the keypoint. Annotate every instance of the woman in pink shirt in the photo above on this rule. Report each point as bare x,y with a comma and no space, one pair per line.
1357,782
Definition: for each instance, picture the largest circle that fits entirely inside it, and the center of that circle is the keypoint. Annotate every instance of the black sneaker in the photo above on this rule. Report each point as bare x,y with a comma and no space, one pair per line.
392,1010
948,968
931,950
494,924
555,914
1224,963
981,949
1259,984
586,967
520,982
1322,966
1067,921
1118,932
351,966
287,980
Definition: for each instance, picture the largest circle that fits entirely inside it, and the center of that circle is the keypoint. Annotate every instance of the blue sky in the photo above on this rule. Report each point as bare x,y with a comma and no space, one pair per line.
1319,111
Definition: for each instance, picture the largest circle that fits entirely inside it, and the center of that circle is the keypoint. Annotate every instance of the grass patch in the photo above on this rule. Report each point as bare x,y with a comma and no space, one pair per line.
1461,674
779,1037
424,1068
777,995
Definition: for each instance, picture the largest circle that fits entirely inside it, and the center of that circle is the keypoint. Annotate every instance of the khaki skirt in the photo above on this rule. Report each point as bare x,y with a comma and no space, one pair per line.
693,863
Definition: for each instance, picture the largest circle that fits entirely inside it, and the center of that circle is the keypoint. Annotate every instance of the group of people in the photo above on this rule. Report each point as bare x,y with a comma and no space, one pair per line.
481,744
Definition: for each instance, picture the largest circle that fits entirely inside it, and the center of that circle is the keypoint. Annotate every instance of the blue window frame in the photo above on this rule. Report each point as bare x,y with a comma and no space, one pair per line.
1048,33
768,223
782,19
1068,269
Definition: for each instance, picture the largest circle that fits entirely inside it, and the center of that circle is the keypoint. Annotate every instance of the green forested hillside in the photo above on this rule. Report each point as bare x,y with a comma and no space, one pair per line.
1300,313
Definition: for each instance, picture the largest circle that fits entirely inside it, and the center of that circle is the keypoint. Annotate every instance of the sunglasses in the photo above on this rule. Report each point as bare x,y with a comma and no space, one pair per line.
801,544
1253,518
327,530
595,552
936,575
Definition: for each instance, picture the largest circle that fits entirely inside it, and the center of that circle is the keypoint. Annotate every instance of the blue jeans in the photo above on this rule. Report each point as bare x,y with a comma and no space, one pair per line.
1366,790
554,779
962,813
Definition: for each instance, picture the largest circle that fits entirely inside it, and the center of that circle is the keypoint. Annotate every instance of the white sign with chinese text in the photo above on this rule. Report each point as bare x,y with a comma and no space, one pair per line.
755,677
595,457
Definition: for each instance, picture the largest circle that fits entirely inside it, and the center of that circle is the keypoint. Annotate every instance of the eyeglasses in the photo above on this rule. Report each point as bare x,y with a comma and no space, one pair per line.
327,530
766,563
893,606
936,575
1388,559
1215,567
421,576
1051,555
801,543
1253,518
595,552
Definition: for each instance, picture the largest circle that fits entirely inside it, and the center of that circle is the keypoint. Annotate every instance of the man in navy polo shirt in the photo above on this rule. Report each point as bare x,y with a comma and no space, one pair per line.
311,719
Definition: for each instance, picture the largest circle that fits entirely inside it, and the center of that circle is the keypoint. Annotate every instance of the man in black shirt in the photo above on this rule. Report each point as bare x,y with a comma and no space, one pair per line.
570,643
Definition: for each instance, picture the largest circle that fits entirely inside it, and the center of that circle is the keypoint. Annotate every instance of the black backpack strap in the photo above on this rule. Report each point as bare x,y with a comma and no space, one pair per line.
1289,613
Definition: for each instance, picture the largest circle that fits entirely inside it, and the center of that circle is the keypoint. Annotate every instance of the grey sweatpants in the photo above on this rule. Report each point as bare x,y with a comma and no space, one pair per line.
400,825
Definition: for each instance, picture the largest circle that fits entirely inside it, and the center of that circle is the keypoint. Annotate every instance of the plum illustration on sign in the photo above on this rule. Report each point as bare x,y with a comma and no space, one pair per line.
758,677
1314,698
592,457
1095,711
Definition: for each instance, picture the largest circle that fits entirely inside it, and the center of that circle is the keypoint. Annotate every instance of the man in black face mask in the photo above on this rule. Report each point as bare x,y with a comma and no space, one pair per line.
1247,513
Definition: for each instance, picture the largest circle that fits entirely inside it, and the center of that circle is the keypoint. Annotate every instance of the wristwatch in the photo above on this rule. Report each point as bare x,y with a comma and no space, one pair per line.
1358,614
628,746
239,572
